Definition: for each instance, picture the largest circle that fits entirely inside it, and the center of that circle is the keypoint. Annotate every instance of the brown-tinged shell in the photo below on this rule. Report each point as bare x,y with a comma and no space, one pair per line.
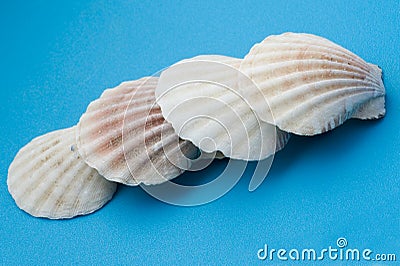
312,84
125,137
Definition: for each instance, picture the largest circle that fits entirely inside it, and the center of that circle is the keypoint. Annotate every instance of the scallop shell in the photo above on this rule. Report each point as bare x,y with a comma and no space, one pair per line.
199,97
312,85
49,179
124,136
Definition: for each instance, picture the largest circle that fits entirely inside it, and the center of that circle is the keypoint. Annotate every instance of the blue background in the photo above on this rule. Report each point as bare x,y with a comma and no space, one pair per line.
57,56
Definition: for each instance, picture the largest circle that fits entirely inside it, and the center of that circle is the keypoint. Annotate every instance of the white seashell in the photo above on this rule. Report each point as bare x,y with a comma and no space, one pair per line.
124,136
49,179
199,97
312,85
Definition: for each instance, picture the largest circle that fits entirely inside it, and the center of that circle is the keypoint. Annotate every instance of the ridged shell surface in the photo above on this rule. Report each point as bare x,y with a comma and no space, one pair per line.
125,137
312,84
49,179
199,97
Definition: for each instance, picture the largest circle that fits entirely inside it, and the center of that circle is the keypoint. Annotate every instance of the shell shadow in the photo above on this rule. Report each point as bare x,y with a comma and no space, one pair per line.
332,144
299,149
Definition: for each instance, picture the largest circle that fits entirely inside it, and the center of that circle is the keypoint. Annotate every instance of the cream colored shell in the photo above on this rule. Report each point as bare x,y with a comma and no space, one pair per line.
49,179
200,98
312,85
124,136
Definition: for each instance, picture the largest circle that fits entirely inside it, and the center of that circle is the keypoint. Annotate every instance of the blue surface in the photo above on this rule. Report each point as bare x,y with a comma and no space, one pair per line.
57,57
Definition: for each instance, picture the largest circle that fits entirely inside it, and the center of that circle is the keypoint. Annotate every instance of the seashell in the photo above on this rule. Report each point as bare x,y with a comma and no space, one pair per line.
125,137
49,179
199,97
312,84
